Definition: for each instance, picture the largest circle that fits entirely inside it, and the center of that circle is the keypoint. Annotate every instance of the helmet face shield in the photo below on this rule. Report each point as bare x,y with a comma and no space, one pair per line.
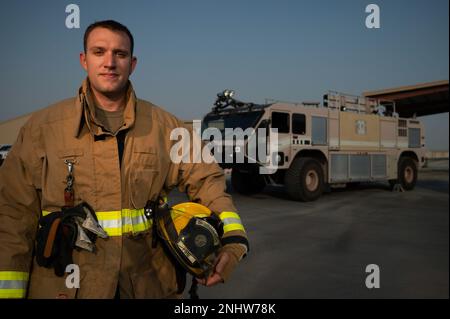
198,242
192,235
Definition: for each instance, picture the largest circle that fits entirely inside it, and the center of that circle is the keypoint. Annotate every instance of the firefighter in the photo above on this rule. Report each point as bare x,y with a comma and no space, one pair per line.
76,187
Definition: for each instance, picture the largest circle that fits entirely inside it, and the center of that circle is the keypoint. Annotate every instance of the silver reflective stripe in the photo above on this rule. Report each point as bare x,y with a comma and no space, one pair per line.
134,221
113,223
13,284
229,221
116,223
130,221
139,220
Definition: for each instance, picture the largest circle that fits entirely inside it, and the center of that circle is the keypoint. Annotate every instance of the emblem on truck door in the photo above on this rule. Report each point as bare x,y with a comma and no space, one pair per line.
361,127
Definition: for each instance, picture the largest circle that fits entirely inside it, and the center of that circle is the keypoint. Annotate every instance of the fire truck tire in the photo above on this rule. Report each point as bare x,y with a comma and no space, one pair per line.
247,182
304,180
407,173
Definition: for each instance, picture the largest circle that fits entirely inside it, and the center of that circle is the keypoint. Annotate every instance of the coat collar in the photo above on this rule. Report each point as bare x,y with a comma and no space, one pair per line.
85,110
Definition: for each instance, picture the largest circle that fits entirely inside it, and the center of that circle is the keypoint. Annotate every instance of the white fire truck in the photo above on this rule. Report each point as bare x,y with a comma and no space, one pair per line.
346,139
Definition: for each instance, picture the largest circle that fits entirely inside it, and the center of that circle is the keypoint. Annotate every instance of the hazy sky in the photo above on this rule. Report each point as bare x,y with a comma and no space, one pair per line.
190,50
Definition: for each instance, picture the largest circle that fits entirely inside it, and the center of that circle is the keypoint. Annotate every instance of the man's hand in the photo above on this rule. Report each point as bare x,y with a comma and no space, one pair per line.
217,275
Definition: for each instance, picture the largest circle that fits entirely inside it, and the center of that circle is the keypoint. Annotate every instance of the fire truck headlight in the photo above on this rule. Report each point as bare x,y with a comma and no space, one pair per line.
278,158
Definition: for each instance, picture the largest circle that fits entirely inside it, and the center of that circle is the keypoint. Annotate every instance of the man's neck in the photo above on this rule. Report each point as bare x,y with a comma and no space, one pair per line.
110,103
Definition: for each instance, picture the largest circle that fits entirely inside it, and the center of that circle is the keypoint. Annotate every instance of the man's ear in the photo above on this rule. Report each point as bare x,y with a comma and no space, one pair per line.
83,60
133,64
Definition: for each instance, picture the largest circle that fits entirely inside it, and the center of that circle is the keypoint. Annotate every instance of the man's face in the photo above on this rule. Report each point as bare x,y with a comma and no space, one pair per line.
108,61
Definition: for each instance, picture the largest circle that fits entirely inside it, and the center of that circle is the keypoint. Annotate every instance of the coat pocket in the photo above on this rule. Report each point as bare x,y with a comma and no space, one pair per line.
144,178
70,153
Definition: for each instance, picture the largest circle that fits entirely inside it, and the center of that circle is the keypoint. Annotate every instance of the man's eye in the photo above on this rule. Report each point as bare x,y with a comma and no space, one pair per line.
121,54
99,52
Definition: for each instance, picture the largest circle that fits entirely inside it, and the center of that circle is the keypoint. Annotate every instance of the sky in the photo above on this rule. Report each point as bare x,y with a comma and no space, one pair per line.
190,50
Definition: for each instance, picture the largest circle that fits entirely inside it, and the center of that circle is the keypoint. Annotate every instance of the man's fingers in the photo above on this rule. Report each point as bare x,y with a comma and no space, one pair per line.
211,280
222,262
216,276
214,280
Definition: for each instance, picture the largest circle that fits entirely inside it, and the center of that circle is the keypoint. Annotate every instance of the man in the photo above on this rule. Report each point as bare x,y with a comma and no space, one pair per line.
111,150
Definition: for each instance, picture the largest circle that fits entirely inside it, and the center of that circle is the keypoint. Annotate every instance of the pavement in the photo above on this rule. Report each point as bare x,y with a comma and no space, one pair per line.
321,249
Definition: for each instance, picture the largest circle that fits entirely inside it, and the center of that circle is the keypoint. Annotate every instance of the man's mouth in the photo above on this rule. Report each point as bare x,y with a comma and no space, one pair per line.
109,75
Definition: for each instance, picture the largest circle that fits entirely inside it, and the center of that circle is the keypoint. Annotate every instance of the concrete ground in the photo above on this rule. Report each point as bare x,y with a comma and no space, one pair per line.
321,249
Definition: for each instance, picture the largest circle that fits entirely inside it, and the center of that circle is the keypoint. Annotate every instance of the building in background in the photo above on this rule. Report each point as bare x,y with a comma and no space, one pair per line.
9,130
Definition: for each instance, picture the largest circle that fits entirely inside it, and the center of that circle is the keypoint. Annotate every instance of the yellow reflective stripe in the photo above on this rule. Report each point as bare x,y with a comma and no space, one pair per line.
45,213
231,221
12,293
116,223
112,231
110,222
224,215
13,284
231,227
111,215
134,221
136,228
133,212
14,275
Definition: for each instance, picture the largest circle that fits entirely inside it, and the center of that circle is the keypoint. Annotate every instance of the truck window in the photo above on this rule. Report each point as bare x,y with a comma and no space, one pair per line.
298,124
319,130
237,120
280,121
414,137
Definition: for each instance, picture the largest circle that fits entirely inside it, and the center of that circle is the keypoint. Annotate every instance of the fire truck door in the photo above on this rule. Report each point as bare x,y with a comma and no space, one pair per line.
281,121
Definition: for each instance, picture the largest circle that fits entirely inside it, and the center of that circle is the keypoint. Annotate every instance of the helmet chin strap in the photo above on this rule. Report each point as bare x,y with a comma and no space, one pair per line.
193,291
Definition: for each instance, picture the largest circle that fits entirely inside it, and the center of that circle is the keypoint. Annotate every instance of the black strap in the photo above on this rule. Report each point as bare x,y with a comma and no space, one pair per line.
236,240
193,292
165,215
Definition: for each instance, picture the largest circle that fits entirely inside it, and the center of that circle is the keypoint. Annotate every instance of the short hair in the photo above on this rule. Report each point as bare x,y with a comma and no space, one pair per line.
111,25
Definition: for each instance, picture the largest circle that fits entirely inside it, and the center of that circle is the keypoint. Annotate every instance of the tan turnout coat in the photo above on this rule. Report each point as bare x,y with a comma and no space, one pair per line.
32,182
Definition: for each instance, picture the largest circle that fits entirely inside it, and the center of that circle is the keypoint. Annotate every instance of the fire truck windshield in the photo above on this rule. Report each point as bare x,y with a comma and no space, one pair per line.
237,120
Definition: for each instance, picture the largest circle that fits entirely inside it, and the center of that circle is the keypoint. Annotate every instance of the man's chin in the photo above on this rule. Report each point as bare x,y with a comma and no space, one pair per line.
112,91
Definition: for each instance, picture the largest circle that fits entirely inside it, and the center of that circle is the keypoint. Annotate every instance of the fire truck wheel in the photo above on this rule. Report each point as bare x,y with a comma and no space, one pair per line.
407,173
247,181
304,179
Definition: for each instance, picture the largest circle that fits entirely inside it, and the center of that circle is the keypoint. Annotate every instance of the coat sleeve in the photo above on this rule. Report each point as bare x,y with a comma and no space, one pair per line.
205,183
19,214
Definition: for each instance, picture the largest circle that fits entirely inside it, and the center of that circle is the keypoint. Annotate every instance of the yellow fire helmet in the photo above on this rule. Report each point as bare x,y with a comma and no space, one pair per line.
192,234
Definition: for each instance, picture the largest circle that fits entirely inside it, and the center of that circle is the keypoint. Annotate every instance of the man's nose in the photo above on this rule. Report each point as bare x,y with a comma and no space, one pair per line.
110,60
